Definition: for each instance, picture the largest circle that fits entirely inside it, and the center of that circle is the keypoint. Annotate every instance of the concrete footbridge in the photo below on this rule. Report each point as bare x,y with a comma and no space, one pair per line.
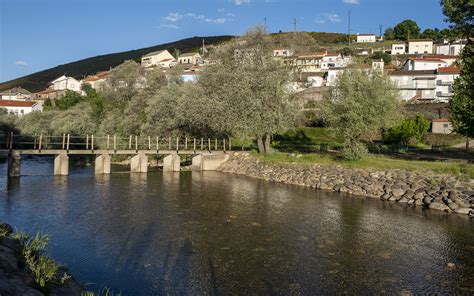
207,154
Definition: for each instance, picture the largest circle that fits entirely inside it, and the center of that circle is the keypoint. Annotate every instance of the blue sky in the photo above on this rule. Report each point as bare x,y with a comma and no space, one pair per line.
39,34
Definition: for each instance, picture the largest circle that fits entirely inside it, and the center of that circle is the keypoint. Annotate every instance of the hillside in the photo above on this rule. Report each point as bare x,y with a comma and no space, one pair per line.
78,69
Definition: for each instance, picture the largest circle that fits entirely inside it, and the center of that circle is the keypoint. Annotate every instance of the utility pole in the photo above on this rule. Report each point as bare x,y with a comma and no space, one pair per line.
294,25
349,27
203,48
380,31
265,23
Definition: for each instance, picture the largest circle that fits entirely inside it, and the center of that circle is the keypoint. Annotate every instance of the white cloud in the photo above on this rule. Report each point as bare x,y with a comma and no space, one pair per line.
169,26
356,2
21,63
240,2
173,17
327,17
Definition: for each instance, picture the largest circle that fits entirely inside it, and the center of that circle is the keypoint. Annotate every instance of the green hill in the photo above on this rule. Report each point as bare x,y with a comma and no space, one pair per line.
79,69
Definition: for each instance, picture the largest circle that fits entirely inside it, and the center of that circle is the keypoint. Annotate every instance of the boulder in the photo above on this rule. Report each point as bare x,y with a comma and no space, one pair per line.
463,211
438,206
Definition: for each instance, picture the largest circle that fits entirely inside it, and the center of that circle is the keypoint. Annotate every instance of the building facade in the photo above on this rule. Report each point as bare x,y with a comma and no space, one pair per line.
420,46
20,108
366,38
154,58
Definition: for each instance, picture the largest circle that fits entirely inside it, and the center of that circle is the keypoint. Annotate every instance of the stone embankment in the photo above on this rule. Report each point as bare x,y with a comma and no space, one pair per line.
437,192
17,279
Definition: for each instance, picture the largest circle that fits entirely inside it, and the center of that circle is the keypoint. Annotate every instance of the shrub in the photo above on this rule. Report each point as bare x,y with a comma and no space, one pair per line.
354,151
407,131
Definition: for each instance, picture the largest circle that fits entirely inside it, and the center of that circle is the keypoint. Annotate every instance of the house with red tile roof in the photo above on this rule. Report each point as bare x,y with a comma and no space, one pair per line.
20,108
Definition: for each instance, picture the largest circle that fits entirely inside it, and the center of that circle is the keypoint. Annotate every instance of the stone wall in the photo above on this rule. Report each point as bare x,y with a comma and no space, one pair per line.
437,192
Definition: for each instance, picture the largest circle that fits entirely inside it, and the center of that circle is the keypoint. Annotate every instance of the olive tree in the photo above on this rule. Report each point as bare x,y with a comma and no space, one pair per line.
249,90
360,105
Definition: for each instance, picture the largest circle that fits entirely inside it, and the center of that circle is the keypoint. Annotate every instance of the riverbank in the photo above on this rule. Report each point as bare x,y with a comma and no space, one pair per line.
448,193
24,271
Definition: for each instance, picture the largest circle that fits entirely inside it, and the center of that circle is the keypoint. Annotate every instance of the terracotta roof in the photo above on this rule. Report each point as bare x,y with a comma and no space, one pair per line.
419,40
331,55
16,90
154,53
440,56
47,91
166,60
449,70
413,73
312,54
440,120
426,60
13,103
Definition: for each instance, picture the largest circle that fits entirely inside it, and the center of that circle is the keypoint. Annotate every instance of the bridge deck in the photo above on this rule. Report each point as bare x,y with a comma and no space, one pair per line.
111,152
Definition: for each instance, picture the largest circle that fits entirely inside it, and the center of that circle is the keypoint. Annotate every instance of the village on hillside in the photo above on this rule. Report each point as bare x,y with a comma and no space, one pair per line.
423,70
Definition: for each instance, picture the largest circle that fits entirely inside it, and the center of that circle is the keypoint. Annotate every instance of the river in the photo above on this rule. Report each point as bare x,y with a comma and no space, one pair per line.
216,233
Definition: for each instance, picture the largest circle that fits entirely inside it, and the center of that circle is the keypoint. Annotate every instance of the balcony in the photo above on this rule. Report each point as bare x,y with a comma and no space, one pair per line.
417,85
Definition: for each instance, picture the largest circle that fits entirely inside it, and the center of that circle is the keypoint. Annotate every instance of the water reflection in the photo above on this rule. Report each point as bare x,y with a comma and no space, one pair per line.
212,233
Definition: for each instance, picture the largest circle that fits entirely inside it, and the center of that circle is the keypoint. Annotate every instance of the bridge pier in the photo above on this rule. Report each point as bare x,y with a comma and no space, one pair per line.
171,163
61,164
14,164
139,163
208,162
102,164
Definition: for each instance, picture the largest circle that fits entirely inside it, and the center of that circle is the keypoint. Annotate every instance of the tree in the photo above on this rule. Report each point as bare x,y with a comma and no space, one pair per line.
460,13
248,88
434,34
461,106
407,29
389,34
359,106
380,55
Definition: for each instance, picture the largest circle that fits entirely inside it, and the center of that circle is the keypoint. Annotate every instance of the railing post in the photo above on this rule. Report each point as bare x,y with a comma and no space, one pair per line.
223,145
169,143
209,144
34,142
68,141
186,143
108,142
157,143
230,144
87,142
177,143
194,145
215,146
202,144
40,142
149,143
136,143
130,142
11,140
115,143
64,142
92,142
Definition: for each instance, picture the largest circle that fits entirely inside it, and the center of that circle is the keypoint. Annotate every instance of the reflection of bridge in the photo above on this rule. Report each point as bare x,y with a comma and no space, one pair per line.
207,154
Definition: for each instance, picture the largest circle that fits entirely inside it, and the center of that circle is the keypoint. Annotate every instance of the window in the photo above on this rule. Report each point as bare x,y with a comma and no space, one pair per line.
445,125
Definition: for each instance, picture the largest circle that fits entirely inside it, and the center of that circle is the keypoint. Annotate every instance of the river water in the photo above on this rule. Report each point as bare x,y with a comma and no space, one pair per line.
216,233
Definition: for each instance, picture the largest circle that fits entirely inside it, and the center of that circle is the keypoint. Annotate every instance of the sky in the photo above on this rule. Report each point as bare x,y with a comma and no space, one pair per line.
40,34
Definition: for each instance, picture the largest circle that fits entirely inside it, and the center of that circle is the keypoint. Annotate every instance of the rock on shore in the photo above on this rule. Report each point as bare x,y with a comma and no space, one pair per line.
436,192
16,279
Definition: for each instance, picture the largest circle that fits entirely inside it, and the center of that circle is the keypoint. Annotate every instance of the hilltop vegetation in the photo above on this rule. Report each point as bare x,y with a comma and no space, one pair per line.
79,69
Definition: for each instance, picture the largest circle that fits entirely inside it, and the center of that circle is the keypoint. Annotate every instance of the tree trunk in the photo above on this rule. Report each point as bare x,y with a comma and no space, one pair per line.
267,143
261,148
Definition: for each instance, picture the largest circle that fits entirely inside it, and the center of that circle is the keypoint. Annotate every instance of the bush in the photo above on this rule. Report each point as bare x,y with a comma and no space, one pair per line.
442,140
354,151
408,132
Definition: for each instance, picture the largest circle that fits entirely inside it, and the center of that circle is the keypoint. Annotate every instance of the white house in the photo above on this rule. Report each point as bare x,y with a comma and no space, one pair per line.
66,83
415,64
366,38
398,48
189,58
450,48
16,93
332,75
444,82
310,62
441,126
20,107
154,59
415,84
420,46
282,52
334,60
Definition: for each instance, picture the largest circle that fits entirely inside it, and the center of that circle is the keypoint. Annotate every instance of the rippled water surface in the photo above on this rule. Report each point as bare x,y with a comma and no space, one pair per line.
216,233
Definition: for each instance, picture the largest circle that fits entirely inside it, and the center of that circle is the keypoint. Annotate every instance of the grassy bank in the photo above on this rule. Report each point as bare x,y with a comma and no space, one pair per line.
376,162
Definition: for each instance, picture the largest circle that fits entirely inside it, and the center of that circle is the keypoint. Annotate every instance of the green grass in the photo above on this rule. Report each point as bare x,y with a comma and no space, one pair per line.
306,139
375,162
